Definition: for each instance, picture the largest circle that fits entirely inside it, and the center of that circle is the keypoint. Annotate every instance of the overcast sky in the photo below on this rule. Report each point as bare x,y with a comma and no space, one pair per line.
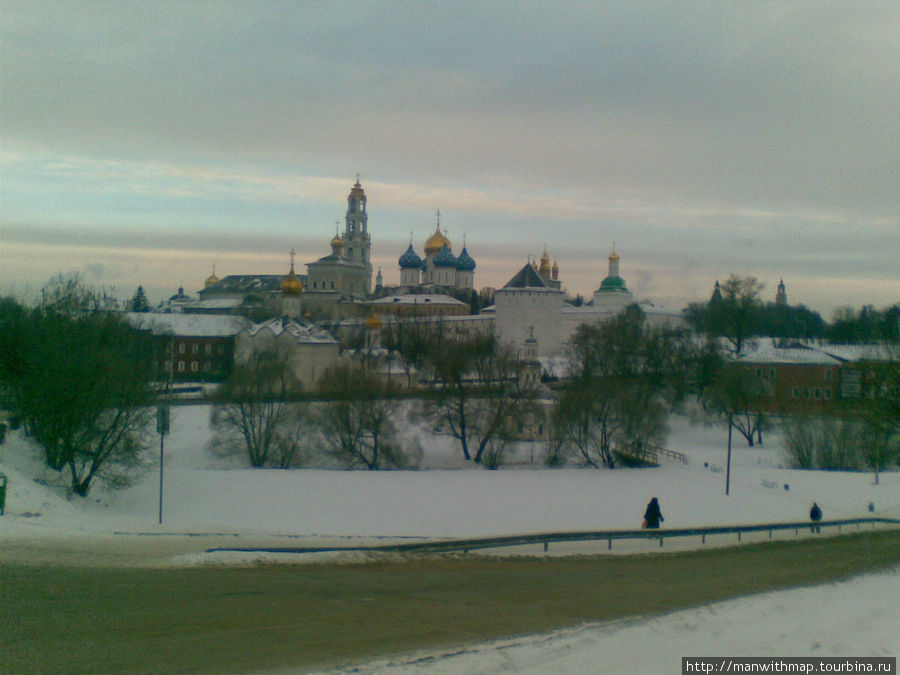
145,142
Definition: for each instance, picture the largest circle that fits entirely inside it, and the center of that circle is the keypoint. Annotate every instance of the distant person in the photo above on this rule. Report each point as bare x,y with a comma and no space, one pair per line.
815,515
653,516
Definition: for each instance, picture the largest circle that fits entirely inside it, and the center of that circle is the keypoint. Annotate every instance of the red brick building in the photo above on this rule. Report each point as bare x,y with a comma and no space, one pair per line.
805,377
192,347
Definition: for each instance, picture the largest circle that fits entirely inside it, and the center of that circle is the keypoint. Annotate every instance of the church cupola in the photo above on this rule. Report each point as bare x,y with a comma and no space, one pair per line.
716,297
544,268
337,245
211,279
291,284
781,294
614,263
437,241
411,266
445,258
613,294
465,262
613,283
410,259
356,202
291,288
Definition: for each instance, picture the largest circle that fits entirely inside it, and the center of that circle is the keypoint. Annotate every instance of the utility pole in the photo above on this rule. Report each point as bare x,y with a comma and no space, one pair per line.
728,460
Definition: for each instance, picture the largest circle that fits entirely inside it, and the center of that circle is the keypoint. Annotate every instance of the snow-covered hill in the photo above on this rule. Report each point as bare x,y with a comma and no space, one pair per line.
219,502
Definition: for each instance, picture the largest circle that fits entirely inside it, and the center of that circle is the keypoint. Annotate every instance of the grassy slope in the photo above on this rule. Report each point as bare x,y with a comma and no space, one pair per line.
64,619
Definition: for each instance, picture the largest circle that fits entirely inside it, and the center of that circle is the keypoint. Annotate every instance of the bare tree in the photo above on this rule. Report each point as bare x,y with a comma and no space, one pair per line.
256,412
408,341
480,393
623,377
735,395
833,441
357,422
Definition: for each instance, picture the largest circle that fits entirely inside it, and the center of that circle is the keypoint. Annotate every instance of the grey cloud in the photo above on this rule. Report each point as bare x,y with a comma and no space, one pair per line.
640,112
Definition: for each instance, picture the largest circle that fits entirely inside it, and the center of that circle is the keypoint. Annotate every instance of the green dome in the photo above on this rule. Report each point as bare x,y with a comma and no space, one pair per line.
613,284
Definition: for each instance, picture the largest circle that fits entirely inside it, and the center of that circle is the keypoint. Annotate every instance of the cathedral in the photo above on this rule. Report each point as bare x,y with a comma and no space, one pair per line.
439,268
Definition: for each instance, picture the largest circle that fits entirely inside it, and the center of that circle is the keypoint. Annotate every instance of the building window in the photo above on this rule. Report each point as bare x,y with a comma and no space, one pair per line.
805,392
828,394
194,366
181,366
181,348
208,348
828,376
818,393
195,348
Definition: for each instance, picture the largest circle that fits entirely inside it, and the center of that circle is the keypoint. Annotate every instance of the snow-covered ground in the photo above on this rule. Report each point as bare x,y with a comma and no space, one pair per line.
212,501
859,617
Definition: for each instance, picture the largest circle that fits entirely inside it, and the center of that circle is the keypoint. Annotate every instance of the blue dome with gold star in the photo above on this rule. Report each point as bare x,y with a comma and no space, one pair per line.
410,260
445,258
465,262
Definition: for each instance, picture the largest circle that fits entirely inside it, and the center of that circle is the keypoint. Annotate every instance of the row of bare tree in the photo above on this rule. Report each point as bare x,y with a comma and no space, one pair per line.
625,377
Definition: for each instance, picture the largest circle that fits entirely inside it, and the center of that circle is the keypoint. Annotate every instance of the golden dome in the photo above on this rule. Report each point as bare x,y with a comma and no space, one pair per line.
337,243
614,257
291,284
436,242
545,264
211,279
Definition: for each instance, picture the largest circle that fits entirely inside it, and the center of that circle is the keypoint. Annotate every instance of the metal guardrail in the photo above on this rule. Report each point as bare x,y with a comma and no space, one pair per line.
451,545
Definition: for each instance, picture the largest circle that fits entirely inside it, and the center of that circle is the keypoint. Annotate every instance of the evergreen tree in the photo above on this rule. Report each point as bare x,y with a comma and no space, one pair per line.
139,301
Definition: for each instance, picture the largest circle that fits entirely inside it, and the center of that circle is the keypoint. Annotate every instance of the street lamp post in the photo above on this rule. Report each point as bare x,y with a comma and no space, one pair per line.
162,428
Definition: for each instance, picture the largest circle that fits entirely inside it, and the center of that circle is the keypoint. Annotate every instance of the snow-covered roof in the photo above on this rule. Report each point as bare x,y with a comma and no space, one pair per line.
217,303
413,299
300,331
246,283
860,352
188,325
766,352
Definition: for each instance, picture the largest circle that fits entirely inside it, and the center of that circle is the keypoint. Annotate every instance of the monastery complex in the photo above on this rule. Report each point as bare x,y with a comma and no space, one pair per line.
338,288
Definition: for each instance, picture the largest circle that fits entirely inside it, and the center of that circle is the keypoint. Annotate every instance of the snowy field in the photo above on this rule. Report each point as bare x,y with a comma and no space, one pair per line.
212,501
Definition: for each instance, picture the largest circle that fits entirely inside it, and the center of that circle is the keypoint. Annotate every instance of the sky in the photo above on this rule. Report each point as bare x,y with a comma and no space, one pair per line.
146,143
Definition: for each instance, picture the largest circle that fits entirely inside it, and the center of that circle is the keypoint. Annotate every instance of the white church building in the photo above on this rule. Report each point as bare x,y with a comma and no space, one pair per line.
531,308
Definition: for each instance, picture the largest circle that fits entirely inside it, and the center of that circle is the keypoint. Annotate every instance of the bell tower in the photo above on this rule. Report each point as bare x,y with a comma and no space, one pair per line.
357,243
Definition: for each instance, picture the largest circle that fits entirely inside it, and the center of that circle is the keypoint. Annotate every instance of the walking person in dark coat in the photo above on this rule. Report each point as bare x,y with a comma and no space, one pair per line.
653,516
815,515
